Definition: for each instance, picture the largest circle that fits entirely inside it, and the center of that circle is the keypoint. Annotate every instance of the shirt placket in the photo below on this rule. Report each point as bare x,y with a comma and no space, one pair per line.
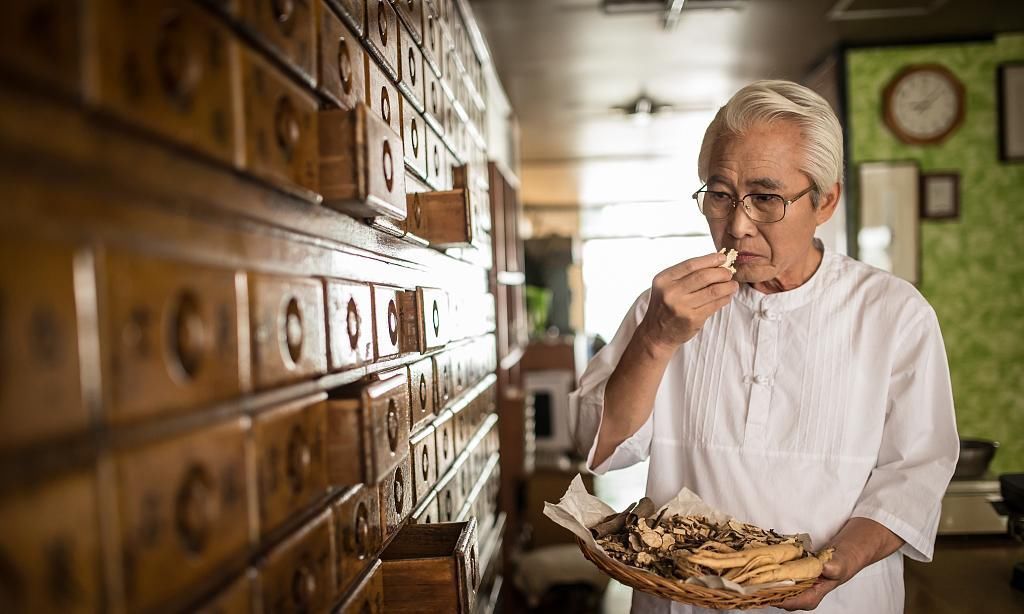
762,377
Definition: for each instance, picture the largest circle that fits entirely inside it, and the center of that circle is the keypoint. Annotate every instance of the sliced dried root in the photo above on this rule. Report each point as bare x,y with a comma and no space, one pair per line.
779,553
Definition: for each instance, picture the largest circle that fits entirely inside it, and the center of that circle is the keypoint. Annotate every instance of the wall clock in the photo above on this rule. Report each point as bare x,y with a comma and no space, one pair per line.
923,104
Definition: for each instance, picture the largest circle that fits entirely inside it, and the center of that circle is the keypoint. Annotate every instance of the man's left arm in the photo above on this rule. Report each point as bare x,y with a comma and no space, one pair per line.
899,506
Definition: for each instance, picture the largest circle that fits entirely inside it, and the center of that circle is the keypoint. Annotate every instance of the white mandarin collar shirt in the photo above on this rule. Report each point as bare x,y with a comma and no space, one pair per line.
796,411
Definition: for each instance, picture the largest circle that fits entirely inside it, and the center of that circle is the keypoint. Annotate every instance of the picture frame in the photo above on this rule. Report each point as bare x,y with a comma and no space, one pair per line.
940,196
1011,111
889,203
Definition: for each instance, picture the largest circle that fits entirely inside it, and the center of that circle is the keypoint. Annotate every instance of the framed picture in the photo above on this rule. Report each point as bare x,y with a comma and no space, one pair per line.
889,206
940,196
1011,111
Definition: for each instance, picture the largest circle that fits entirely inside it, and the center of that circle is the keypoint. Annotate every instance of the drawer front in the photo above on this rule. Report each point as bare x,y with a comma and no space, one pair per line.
280,126
238,598
411,14
382,96
39,342
411,68
387,333
361,169
167,66
389,413
434,100
395,492
357,533
445,435
50,547
421,388
423,451
288,329
41,39
447,502
443,381
353,12
432,39
341,72
291,461
438,173
183,506
442,218
433,318
382,35
461,428
368,597
288,27
298,576
414,142
426,511
173,330
349,325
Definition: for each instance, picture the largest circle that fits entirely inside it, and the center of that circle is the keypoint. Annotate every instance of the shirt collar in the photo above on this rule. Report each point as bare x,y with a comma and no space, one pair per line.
797,297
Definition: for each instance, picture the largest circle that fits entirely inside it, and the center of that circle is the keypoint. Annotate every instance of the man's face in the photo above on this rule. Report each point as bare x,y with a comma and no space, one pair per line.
766,160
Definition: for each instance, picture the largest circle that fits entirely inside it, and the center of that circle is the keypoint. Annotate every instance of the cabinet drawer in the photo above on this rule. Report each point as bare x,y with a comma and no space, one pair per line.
50,547
427,317
349,324
382,35
423,449
288,329
39,348
434,100
357,533
436,567
368,596
421,389
411,68
368,429
173,332
438,173
414,142
443,382
444,428
443,218
341,72
395,492
361,166
41,39
240,597
432,38
426,511
183,506
353,12
291,461
169,67
298,575
382,96
280,127
287,27
387,323
411,14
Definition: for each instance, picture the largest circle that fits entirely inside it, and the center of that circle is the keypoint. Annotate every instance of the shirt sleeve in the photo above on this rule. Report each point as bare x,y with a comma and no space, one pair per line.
586,404
919,446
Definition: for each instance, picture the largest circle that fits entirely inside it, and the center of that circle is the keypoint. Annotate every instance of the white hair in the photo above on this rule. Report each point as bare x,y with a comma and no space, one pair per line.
767,101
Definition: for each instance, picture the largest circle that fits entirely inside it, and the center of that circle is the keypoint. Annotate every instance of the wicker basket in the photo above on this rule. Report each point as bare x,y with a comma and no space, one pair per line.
692,594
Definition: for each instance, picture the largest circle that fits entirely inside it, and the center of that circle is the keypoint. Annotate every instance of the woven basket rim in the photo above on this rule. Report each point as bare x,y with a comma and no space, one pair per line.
676,590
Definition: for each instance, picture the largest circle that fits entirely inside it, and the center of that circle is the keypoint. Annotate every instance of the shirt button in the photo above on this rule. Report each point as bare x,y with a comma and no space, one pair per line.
770,315
761,380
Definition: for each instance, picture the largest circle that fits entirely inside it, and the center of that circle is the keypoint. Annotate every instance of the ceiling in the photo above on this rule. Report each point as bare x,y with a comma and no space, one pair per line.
567,64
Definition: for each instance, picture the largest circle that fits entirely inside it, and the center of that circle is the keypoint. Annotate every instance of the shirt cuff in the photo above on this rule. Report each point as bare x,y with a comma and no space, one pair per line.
916,545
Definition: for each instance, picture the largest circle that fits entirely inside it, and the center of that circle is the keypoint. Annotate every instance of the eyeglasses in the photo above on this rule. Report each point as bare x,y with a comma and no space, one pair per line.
761,208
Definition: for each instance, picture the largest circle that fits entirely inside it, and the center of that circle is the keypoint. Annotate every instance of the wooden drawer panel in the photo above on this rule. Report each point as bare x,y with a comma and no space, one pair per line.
414,143
341,71
353,12
411,14
445,435
395,492
382,96
368,596
183,506
443,382
173,331
432,318
421,393
288,329
361,164
387,323
432,38
50,547
291,461
39,342
423,451
298,575
382,35
434,100
280,127
432,568
167,66
357,533
349,324
41,39
287,27
438,171
444,218
240,597
411,67
368,429
426,511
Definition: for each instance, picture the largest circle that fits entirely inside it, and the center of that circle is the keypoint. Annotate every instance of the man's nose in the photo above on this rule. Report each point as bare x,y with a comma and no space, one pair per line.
739,223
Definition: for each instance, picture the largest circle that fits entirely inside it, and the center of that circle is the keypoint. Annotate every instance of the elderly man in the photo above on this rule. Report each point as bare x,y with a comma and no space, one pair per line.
807,392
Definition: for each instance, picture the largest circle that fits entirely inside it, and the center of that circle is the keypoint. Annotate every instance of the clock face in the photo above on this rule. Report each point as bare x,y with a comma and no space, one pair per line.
924,105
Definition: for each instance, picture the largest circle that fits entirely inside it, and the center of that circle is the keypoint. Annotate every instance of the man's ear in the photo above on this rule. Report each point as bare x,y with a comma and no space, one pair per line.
827,204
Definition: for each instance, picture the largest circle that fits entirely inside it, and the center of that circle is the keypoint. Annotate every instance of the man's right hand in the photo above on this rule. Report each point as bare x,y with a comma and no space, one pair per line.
683,297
